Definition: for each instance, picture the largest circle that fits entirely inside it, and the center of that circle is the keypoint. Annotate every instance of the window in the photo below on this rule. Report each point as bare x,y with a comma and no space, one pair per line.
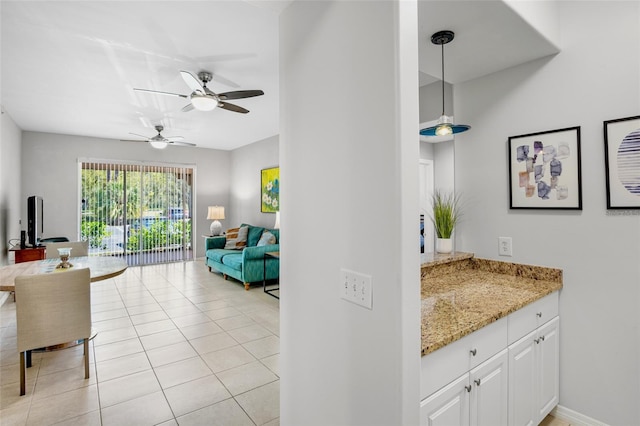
137,210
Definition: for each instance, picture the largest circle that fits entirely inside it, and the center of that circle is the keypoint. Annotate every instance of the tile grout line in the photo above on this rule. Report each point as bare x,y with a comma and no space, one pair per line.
193,283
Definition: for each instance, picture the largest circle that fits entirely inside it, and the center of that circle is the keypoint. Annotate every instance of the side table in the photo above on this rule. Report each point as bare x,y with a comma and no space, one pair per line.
269,255
28,254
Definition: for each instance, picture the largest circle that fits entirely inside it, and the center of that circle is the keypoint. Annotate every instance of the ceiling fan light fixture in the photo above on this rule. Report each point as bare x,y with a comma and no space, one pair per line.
204,102
158,144
444,126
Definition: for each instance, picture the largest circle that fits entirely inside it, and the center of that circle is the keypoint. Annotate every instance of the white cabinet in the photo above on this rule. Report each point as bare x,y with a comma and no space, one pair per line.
444,365
548,367
478,397
506,373
449,406
489,396
522,378
534,375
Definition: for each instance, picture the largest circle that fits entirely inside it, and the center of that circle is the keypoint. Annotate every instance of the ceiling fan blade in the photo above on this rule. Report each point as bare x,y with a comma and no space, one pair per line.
131,140
146,138
182,143
240,94
187,107
232,107
192,81
161,93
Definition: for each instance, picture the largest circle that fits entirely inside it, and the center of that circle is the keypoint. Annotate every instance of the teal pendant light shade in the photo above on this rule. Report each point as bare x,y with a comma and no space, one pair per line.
444,126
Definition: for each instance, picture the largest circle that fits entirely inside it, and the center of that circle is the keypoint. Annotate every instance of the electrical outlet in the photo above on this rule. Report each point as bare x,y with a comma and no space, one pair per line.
356,288
505,247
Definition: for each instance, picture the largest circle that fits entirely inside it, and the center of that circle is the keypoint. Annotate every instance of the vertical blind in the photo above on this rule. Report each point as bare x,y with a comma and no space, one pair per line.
137,210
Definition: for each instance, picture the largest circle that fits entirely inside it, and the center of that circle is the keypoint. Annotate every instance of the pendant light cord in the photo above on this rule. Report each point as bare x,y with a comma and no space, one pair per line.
442,46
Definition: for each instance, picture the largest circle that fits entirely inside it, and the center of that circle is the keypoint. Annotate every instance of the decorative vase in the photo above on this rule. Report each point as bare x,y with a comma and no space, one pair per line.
65,253
444,245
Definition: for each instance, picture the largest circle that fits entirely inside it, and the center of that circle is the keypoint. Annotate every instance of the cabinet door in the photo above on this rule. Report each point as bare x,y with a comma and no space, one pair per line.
548,349
449,406
489,395
522,381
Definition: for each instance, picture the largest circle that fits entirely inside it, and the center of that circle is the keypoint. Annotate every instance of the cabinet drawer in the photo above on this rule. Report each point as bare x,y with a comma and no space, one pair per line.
442,366
530,317
486,342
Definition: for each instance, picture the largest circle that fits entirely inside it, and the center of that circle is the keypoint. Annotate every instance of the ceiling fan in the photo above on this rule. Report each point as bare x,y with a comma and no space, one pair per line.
203,99
159,141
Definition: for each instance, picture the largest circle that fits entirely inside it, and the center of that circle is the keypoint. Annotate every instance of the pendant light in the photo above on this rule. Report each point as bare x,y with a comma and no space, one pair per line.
444,126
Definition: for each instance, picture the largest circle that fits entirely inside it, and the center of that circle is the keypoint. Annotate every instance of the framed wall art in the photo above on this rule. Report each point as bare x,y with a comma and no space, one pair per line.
622,162
270,190
544,170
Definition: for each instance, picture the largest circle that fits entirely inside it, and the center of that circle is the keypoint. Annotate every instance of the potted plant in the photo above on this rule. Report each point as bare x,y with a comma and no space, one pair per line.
446,214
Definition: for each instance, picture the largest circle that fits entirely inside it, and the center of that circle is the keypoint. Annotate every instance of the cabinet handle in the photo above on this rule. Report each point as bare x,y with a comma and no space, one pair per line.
473,352
477,382
468,388
539,314
537,341
542,338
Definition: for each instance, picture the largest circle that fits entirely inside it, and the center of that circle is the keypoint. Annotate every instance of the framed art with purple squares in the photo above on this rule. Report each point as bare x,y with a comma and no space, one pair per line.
545,170
622,162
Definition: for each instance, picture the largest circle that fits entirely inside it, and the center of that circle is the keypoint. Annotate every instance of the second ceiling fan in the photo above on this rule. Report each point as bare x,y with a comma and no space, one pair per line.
203,99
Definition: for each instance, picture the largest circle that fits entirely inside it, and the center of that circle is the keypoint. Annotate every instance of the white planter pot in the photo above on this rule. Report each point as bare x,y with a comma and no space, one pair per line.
444,245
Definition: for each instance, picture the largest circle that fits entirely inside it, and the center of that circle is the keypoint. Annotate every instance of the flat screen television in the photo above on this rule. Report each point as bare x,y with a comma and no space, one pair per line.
35,220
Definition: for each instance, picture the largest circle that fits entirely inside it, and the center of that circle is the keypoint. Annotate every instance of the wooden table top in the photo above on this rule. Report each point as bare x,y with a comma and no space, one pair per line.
101,268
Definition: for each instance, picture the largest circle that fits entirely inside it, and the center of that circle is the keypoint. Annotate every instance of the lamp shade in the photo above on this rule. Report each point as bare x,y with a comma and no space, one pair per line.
215,213
443,127
277,224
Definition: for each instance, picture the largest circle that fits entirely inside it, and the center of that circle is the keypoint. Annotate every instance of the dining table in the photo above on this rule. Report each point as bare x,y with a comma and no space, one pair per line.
100,268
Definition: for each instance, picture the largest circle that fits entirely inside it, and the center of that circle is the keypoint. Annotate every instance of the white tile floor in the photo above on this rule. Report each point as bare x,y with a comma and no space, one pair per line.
176,344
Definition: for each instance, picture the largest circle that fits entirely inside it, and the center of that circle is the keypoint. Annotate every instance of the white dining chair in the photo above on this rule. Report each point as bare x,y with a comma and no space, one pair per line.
51,309
78,248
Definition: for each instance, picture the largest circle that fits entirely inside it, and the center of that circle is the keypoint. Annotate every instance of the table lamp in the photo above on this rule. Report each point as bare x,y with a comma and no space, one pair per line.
215,213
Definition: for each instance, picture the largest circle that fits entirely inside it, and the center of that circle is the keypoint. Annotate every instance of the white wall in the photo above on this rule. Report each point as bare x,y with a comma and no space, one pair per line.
431,101
244,199
10,200
594,78
50,169
349,169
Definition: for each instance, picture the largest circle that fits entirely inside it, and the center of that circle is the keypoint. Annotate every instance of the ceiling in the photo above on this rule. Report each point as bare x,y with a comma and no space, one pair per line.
489,36
70,67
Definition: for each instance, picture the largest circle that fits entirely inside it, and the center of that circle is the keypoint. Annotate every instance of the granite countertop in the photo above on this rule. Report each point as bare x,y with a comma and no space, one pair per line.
461,294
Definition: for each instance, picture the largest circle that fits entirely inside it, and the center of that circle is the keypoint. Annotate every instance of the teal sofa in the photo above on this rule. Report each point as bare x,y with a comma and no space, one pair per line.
246,265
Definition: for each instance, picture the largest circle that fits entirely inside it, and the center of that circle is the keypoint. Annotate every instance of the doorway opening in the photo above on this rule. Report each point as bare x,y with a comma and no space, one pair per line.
427,237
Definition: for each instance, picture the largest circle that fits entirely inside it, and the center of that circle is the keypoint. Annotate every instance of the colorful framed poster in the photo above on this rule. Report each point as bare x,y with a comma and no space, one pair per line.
545,171
270,190
622,162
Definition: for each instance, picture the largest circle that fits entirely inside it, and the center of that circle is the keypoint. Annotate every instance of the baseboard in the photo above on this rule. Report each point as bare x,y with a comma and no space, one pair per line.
575,418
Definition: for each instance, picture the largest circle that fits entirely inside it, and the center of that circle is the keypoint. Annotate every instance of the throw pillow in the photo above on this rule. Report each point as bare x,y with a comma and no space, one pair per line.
266,239
254,234
236,238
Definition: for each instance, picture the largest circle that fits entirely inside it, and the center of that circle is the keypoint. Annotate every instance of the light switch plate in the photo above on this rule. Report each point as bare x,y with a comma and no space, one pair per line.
355,287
